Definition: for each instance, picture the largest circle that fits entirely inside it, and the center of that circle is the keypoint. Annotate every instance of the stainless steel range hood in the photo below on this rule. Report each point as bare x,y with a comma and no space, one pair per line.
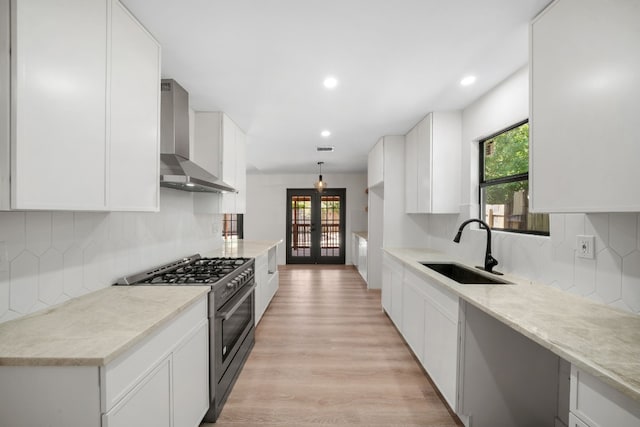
176,168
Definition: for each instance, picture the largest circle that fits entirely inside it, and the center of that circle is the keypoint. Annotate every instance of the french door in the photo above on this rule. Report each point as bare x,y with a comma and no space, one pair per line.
316,226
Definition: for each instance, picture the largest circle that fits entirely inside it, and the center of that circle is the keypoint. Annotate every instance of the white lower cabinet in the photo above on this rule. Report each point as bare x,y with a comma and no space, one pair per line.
359,254
440,354
190,387
162,381
387,272
489,373
392,274
267,281
427,317
362,257
413,314
595,404
430,327
261,280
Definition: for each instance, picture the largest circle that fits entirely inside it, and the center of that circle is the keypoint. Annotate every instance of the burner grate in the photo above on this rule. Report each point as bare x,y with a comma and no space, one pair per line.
199,271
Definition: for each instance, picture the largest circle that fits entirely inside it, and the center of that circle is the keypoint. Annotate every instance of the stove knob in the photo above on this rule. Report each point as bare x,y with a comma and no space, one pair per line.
230,285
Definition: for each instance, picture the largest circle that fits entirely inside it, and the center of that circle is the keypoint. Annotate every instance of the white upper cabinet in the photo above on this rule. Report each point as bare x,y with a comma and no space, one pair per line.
411,170
585,87
135,112
241,172
207,141
375,164
432,164
229,150
59,107
220,148
85,108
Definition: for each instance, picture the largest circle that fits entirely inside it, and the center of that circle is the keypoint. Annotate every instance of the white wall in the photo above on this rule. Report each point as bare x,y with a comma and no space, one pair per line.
613,277
267,205
55,256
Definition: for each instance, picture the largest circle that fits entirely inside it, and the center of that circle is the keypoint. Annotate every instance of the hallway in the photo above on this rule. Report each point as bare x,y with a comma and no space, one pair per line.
326,354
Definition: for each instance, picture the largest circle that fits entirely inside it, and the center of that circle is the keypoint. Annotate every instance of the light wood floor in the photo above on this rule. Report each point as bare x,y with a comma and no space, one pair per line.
326,354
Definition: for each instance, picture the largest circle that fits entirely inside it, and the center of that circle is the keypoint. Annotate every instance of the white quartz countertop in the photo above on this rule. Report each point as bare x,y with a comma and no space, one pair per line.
362,234
602,340
243,248
94,329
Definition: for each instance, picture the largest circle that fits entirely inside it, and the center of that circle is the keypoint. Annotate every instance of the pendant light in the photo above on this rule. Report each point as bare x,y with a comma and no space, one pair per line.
320,185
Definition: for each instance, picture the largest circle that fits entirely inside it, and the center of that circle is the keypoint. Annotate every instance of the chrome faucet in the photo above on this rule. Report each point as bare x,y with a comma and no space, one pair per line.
489,261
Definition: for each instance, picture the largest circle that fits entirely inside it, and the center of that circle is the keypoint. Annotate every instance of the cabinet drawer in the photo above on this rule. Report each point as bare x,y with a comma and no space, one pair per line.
119,376
599,405
147,405
438,296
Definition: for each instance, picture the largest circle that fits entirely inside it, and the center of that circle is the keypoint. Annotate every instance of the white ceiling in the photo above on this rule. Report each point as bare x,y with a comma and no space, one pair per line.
263,63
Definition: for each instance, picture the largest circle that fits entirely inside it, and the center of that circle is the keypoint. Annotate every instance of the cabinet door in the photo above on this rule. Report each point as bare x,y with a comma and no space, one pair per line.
585,86
229,151
413,314
362,255
387,279
241,172
59,94
147,405
424,164
600,405
375,165
229,163
262,291
441,341
355,250
134,114
273,285
191,378
446,146
396,296
207,141
411,171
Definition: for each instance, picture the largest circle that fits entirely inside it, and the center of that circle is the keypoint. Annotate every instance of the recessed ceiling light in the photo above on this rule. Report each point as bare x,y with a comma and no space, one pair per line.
325,133
330,82
468,80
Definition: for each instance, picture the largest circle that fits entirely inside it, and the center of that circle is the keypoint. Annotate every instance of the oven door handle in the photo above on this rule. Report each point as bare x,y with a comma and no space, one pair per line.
227,314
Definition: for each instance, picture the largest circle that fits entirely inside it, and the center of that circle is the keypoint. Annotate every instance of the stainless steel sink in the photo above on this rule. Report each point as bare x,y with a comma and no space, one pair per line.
464,275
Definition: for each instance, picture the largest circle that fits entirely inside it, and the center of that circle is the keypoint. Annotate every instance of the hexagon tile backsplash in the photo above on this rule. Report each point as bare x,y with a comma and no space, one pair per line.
49,257
612,277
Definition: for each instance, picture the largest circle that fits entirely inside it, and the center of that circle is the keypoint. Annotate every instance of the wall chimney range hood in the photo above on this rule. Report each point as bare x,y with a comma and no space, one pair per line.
177,170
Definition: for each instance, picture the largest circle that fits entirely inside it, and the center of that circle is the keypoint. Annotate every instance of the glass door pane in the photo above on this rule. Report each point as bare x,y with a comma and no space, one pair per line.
300,226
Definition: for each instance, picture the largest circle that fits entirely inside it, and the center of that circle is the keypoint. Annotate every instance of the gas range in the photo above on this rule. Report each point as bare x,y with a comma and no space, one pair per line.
231,313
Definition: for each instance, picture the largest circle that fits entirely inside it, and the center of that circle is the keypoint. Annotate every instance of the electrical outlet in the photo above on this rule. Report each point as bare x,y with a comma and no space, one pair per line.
586,246
4,257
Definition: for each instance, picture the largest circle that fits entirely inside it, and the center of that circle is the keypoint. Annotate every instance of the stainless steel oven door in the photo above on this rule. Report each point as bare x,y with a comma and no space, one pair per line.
234,322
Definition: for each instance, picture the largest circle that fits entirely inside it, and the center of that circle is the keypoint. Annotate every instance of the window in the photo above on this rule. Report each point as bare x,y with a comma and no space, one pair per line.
504,182
232,226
